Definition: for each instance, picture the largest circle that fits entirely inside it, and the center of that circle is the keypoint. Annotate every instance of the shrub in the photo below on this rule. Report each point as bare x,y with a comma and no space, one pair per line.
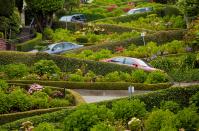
187,119
76,78
16,70
112,77
46,67
40,100
158,119
86,116
102,127
3,85
157,77
48,33
44,127
139,76
170,105
58,103
4,103
195,99
82,39
19,100
126,109
134,124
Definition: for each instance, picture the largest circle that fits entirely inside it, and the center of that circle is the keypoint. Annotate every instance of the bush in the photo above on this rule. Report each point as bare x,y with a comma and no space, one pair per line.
46,67
82,39
29,45
58,103
3,85
195,99
139,76
157,77
76,78
48,33
112,77
4,103
126,109
187,119
16,70
170,105
158,119
44,127
102,127
40,100
86,116
19,100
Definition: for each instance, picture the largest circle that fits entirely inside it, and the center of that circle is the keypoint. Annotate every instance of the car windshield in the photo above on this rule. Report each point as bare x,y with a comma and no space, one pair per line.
142,63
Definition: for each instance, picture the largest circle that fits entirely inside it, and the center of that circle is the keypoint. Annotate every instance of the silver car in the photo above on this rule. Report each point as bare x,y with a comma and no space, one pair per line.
61,47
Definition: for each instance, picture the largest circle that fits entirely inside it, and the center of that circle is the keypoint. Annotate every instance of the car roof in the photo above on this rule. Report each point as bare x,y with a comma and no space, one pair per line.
52,45
126,57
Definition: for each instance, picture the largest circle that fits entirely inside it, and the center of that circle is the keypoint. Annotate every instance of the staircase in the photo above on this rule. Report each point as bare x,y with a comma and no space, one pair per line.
25,34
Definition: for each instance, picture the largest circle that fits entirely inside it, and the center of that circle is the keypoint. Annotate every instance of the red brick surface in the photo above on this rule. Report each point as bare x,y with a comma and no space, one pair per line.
2,44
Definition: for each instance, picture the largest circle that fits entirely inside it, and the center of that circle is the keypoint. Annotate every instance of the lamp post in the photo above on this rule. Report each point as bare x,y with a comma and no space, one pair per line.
131,91
143,34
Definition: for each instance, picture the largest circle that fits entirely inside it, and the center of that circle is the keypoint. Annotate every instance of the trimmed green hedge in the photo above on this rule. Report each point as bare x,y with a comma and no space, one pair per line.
160,37
96,85
49,117
180,95
65,64
29,45
107,27
5,118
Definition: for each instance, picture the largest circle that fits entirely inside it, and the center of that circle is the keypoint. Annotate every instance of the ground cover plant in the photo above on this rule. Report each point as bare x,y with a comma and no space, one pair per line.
152,22
150,51
48,70
161,112
16,99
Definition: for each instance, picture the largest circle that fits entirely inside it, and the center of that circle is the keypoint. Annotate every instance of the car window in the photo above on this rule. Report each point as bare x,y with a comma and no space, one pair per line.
129,61
68,45
82,16
57,47
118,60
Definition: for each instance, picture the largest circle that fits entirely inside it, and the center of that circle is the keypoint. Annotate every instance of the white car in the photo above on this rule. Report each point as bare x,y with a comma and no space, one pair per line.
73,18
139,10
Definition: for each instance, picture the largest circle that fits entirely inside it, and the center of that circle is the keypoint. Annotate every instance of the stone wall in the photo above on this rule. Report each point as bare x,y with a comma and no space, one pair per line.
2,44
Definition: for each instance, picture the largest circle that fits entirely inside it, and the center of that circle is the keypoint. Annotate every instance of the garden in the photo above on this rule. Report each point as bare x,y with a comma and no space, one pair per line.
38,89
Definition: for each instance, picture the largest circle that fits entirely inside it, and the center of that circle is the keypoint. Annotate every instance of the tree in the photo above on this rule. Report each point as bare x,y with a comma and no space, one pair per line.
70,4
43,11
189,8
6,7
19,5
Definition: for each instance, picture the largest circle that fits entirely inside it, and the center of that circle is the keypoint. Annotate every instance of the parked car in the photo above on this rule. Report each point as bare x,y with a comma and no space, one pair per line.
139,10
133,62
73,18
61,47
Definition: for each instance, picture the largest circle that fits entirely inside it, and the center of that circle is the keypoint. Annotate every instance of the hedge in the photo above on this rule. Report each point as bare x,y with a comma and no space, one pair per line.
29,45
64,63
107,27
49,117
180,95
160,37
96,85
5,118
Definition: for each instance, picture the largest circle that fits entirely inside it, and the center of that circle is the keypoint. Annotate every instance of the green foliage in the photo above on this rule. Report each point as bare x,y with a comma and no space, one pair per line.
195,99
29,45
86,116
58,103
170,105
158,119
126,109
139,76
46,67
7,8
112,77
188,62
3,85
76,78
16,70
19,100
48,33
4,102
102,127
188,119
157,77
44,127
